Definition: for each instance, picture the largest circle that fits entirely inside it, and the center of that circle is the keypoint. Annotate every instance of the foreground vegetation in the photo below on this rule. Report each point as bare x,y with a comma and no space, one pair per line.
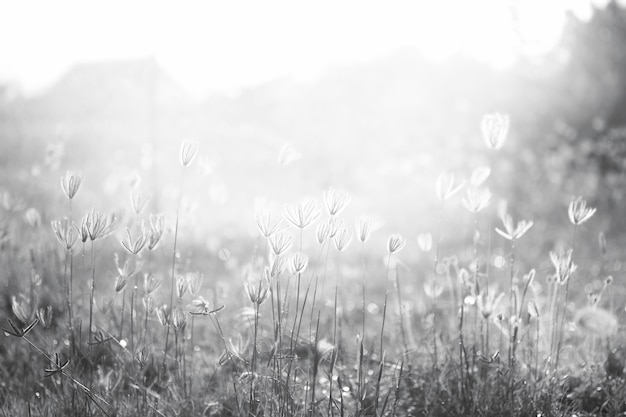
115,320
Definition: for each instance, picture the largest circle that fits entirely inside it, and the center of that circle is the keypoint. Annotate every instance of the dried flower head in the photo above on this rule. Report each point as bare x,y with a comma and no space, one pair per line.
395,243
138,201
178,319
148,304
97,225
120,283
135,246
44,314
364,228
476,199
342,239
258,290
298,263
267,225
302,214
425,241
182,286
33,217
280,243
323,231
336,200
445,187
163,314
510,231
70,183
65,232
479,176
579,212
596,321
495,128
563,265
21,309
195,280
277,263
188,151
488,302
157,227
150,283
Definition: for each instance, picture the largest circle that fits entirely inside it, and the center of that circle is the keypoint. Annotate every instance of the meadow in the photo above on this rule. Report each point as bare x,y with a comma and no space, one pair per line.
107,314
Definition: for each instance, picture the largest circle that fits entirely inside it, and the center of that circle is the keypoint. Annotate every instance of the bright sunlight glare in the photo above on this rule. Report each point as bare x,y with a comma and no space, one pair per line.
224,46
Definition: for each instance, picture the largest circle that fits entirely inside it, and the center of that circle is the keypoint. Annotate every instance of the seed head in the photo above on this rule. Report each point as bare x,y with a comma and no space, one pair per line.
188,151
150,283
302,214
596,321
323,231
445,187
44,314
97,225
148,304
298,263
510,231
579,212
182,285
479,176
364,228
32,217
163,314
563,265
277,263
488,302
195,280
336,200
20,308
179,319
71,183
267,225
342,239
495,128
138,201
395,243
258,290
135,246
280,243
476,199
120,283
157,227
65,232
425,242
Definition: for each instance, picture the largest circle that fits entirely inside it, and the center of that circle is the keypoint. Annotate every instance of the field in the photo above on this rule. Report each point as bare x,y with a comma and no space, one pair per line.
318,314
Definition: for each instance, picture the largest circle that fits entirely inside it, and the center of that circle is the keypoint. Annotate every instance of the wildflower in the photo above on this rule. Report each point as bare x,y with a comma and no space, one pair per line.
163,314
44,314
71,183
298,263
579,212
157,227
445,186
363,228
533,310
148,304
433,289
280,243
336,200
32,217
323,231
125,270
395,243
477,199
277,265
120,283
596,321
138,201
135,246
182,285
188,152
97,225
488,302
194,280
495,128
64,232
258,291
563,265
267,226
303,214
425,242
342,239
513,232
178,319
20,308
150,283
335,225
200,306
479,176
288,154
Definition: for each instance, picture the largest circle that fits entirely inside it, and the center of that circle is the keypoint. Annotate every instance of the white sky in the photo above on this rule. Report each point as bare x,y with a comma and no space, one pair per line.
224,45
